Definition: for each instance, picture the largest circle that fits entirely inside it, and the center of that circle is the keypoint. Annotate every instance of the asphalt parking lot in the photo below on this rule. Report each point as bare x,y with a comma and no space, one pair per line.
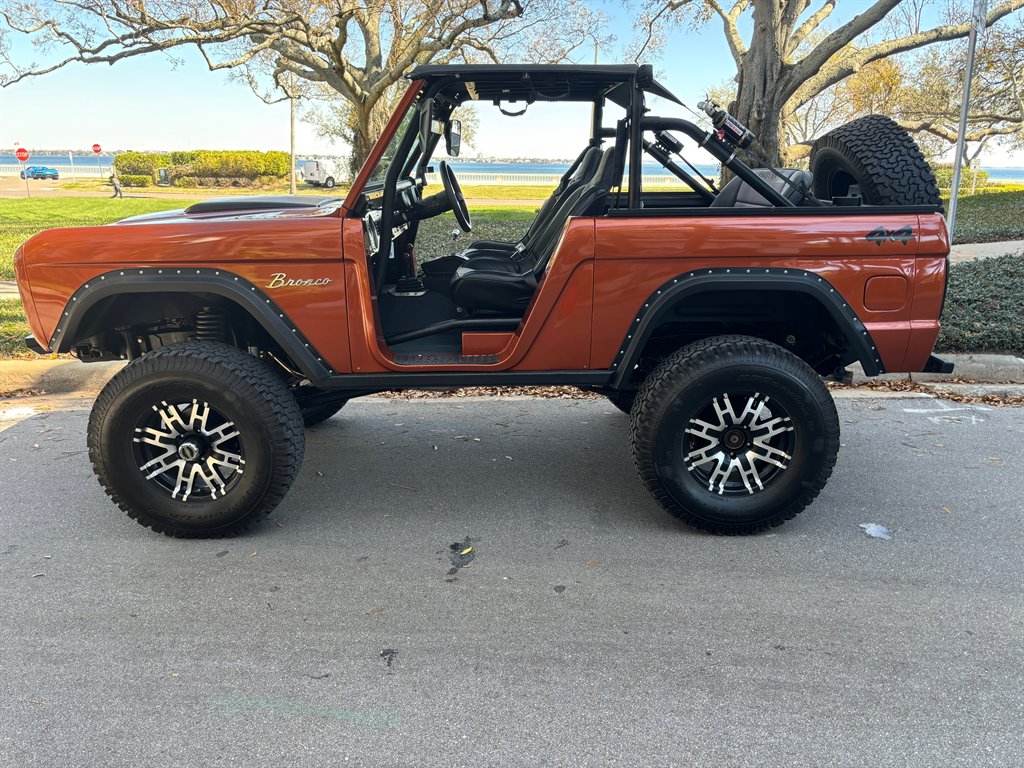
585,627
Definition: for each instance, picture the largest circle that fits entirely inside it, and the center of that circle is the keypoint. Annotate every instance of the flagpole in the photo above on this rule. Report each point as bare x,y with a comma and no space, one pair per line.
978,15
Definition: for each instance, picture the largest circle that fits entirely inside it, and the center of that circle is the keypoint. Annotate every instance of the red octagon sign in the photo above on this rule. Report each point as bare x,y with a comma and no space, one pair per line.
96,148
21,154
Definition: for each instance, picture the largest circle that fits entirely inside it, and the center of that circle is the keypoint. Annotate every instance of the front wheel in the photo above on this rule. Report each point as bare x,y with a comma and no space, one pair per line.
734,434
329,183
196,440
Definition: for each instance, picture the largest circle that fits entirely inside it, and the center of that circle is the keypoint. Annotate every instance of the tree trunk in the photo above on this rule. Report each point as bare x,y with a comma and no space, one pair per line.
368,122
759,93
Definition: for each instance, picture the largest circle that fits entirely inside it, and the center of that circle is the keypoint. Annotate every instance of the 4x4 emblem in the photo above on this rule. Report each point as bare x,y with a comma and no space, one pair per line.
880,234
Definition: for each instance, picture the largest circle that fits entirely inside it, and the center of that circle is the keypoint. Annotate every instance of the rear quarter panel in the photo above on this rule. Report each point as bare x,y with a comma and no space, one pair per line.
636,256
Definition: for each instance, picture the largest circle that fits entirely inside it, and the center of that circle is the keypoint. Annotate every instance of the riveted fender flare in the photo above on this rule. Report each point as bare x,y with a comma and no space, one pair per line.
688,284
192,280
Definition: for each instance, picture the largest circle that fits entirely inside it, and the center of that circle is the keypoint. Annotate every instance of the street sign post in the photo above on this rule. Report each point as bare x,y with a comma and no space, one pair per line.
22,154
96,149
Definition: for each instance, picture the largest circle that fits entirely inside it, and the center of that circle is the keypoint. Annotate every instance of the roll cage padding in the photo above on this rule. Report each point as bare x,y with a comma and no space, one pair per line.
190,280
661,305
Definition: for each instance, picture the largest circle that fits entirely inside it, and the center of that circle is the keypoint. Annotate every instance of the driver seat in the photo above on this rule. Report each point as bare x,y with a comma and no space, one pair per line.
504,285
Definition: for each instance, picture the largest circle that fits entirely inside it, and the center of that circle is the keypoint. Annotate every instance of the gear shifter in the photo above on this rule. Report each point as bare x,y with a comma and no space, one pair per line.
455,239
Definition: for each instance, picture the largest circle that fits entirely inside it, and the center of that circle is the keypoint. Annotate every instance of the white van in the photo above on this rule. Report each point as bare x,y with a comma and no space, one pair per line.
320,173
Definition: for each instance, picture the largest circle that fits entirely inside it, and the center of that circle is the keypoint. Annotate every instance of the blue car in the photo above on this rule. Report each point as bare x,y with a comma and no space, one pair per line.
39,172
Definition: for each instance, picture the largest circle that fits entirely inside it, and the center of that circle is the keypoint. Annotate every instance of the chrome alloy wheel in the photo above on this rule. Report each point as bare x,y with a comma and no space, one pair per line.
738,453
190,450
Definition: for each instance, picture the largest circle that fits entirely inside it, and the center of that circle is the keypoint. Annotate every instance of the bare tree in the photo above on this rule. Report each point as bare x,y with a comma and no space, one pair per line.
778,73
359,49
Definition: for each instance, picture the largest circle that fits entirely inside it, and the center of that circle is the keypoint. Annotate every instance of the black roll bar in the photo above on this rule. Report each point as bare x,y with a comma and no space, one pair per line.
720,150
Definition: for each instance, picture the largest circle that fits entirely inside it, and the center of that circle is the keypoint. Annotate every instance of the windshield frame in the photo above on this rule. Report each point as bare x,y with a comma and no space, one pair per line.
392,135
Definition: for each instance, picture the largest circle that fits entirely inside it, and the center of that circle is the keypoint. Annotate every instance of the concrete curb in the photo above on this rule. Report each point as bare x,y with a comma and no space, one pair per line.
54,377
984,369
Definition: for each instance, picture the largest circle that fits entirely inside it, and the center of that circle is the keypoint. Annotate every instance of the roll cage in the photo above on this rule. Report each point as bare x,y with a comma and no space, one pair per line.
445,87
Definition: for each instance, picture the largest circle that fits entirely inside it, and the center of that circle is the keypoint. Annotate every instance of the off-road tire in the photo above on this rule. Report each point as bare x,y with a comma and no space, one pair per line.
673,394
880,157
249,394
315,414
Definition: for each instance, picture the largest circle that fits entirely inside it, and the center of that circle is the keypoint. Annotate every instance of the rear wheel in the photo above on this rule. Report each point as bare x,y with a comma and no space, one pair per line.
196,440
878,156
734,434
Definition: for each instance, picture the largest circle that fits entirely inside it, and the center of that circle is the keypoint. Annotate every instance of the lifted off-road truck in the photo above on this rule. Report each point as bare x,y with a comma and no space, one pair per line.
711,314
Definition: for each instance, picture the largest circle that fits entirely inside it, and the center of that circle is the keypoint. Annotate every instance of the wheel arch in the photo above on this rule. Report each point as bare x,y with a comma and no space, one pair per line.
90,307
670,304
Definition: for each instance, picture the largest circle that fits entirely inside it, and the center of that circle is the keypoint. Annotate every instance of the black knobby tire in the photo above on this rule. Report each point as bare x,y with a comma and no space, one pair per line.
315,414
880,157
674,397
236,387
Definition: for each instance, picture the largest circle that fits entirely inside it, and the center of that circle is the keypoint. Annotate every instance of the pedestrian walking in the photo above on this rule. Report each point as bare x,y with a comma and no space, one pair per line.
117,186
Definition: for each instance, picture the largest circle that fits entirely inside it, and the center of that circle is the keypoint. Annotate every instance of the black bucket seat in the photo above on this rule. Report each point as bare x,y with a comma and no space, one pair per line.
500,284
738,194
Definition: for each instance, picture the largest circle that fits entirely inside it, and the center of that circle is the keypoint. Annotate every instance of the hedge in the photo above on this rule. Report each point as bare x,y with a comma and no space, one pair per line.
944,178
239,167
135,180
984,306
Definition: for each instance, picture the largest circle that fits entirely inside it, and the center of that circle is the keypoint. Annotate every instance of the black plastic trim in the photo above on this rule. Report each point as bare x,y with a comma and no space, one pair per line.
825,210
33,344
193,280
396,380
687,284
936,364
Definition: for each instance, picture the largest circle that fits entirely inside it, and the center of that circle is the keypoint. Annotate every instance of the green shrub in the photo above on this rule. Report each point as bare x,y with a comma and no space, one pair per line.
186,182
944,178
984,306
138,163
135,180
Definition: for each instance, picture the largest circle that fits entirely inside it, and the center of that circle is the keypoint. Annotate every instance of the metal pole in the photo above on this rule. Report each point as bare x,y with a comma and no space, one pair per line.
71,159
977,23
27,192
291,167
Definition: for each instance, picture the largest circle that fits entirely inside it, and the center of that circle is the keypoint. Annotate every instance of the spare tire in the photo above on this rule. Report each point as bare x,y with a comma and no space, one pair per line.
877,155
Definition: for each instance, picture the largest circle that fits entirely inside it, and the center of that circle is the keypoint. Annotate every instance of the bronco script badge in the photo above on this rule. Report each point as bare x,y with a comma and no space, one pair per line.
281,280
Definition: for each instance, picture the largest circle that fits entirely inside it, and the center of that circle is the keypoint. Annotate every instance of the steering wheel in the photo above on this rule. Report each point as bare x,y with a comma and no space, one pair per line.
455,197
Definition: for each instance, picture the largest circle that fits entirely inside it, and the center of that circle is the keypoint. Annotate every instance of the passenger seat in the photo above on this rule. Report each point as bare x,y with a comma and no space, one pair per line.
738,194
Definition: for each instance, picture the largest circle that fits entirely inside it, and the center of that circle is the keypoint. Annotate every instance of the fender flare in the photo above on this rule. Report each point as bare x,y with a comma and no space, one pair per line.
688,284
192,280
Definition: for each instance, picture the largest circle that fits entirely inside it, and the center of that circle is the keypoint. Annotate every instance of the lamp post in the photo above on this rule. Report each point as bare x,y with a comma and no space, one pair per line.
978,15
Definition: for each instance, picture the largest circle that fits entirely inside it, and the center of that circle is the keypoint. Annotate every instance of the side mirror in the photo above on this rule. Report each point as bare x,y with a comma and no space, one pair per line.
453,137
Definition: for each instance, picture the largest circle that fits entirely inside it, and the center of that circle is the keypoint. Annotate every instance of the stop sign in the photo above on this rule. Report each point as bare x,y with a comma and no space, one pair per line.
21,154
96,148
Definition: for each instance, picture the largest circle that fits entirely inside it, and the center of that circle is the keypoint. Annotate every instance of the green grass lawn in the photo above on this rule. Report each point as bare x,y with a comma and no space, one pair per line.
13,329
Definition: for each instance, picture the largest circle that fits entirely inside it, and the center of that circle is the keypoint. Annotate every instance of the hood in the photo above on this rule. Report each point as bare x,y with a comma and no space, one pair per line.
251,207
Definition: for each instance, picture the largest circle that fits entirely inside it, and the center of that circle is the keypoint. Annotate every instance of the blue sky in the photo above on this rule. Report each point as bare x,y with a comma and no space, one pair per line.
153,102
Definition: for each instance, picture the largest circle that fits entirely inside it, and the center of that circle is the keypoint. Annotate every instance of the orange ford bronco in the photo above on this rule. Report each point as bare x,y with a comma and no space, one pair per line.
711,314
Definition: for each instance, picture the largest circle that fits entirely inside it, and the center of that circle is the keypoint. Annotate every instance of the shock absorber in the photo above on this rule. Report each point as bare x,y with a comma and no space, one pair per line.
210,325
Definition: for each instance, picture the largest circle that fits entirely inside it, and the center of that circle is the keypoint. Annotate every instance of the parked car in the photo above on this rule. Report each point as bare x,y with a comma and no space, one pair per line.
320,173
712,316
39,172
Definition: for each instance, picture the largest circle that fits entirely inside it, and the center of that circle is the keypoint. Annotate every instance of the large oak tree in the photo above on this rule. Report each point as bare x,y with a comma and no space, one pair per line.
779,69
358,49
